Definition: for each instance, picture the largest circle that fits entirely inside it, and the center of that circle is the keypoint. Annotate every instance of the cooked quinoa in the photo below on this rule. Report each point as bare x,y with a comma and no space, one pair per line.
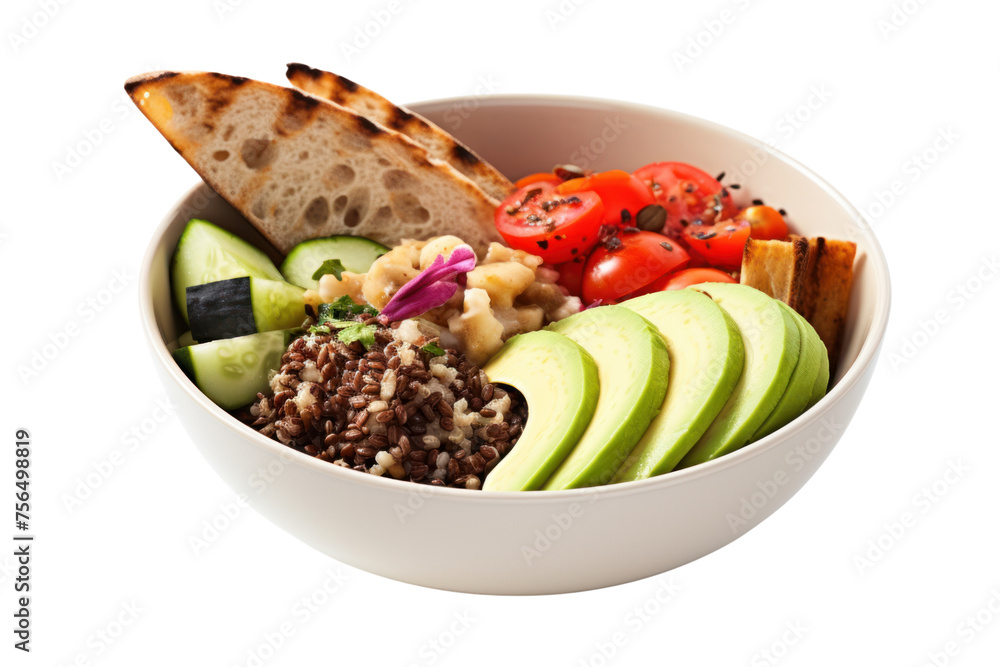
393,409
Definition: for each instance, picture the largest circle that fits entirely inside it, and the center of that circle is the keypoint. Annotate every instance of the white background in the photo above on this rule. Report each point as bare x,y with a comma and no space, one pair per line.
74,230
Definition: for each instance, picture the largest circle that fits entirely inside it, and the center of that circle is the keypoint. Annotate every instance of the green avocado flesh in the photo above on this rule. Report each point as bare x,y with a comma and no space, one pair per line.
633,368
706,361
207,253
771,352
231,371
559,381
823,377
801,385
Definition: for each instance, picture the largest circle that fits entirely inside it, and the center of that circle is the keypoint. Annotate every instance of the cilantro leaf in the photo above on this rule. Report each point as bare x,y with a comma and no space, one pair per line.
334,266
343,308
433,349
358,331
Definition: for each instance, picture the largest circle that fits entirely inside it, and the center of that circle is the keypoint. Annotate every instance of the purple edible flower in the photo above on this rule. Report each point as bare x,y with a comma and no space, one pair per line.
432,287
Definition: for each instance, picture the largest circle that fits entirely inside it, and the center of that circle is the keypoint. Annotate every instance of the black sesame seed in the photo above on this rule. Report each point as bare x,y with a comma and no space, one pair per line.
702,236
783,212
666,246
757,202
721,176
734,186
544,245
626,216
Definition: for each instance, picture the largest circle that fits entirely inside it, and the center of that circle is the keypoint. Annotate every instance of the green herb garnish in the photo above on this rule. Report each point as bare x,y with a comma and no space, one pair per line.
358,331
334,266
343,308
319,329
433,349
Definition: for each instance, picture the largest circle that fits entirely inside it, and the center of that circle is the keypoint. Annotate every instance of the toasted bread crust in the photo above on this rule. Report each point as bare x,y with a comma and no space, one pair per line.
299,167
813,276
440,144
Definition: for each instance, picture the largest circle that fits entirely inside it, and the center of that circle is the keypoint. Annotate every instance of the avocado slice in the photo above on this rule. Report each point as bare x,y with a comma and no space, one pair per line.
771,351
559,381
801,385
823,377
706,361
633,366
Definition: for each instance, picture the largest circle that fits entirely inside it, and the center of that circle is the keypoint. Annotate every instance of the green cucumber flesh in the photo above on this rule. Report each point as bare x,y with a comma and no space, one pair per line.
232,371
207,253
356,253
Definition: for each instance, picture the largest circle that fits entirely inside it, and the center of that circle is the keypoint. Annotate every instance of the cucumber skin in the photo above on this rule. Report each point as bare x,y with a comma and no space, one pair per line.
241,306
248,260
356,253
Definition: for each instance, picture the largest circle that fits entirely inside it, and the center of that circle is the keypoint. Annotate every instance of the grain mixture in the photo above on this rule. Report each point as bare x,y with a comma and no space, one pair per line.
392,409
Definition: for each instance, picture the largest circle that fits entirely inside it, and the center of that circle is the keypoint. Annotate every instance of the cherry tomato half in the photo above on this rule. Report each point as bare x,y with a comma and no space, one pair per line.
688,194
628,262
623,194
721,244
765,223
686,278
539,177
571,275
557,228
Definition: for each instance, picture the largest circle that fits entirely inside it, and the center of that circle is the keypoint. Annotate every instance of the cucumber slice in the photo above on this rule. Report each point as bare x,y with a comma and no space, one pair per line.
233,370
241,306
206,253
356,253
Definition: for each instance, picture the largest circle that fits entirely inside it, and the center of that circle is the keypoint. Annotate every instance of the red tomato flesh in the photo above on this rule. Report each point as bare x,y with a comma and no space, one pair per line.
539,177
686,278
571,275
622,194
557,228
721,244
765,223
628,262
687,193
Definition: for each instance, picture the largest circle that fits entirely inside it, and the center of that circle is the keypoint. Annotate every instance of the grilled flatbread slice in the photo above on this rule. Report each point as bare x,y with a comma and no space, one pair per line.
298,167
439,143
813,276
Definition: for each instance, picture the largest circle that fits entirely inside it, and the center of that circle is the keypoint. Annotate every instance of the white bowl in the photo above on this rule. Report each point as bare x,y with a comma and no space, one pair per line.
544,541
